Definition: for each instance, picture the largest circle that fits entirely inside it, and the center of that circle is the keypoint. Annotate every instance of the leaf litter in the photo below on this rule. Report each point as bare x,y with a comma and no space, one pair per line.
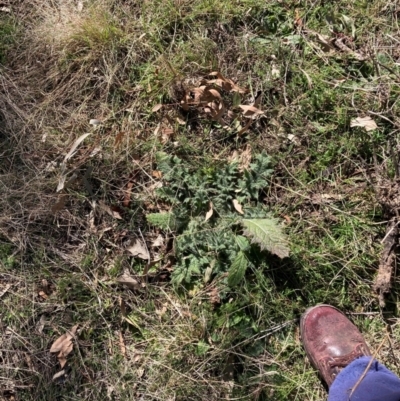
129,281
139,250
364,122
63,346
209,98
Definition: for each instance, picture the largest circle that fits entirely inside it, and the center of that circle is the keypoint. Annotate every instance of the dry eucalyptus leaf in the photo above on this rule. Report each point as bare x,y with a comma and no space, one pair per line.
138,249
94,122
80,6
156,107
59,374
159,241
166,134
210,212
245,128
63,346
129,281
213,93
128,192
250,111
217,110
113,211
226,83
75,146
364,122
64,343
202,95
237,206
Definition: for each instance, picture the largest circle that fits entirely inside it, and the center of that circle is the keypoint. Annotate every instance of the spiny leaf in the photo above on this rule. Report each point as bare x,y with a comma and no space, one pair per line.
268,234
242,242
165,221
238,269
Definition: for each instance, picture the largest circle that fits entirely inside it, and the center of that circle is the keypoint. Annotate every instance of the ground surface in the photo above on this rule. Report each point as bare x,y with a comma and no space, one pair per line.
169,320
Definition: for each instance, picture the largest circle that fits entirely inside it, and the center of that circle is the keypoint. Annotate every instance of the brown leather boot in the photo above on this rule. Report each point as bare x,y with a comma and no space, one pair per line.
331,341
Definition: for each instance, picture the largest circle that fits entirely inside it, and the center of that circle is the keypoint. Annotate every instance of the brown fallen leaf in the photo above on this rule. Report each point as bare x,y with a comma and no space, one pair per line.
156,107
74,146
237,206
129,281
226,83
113,211
211,94
339,43
287,218
210,212
258,98
216,110
159,241
63,346
199,96
250,111
59,374
128,191
298,20
215,298
116,212
245,128
325,41
364,122
138,249
156,174
166,134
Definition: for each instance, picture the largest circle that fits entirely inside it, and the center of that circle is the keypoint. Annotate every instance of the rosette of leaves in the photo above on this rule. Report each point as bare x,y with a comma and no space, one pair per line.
222,243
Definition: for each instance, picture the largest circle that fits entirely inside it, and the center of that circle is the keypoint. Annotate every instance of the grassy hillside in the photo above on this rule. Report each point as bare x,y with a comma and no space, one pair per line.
182,179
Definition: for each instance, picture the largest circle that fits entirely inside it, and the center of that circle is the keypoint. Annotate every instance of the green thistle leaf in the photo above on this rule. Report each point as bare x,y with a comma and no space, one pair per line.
238,269
165,221
268,234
